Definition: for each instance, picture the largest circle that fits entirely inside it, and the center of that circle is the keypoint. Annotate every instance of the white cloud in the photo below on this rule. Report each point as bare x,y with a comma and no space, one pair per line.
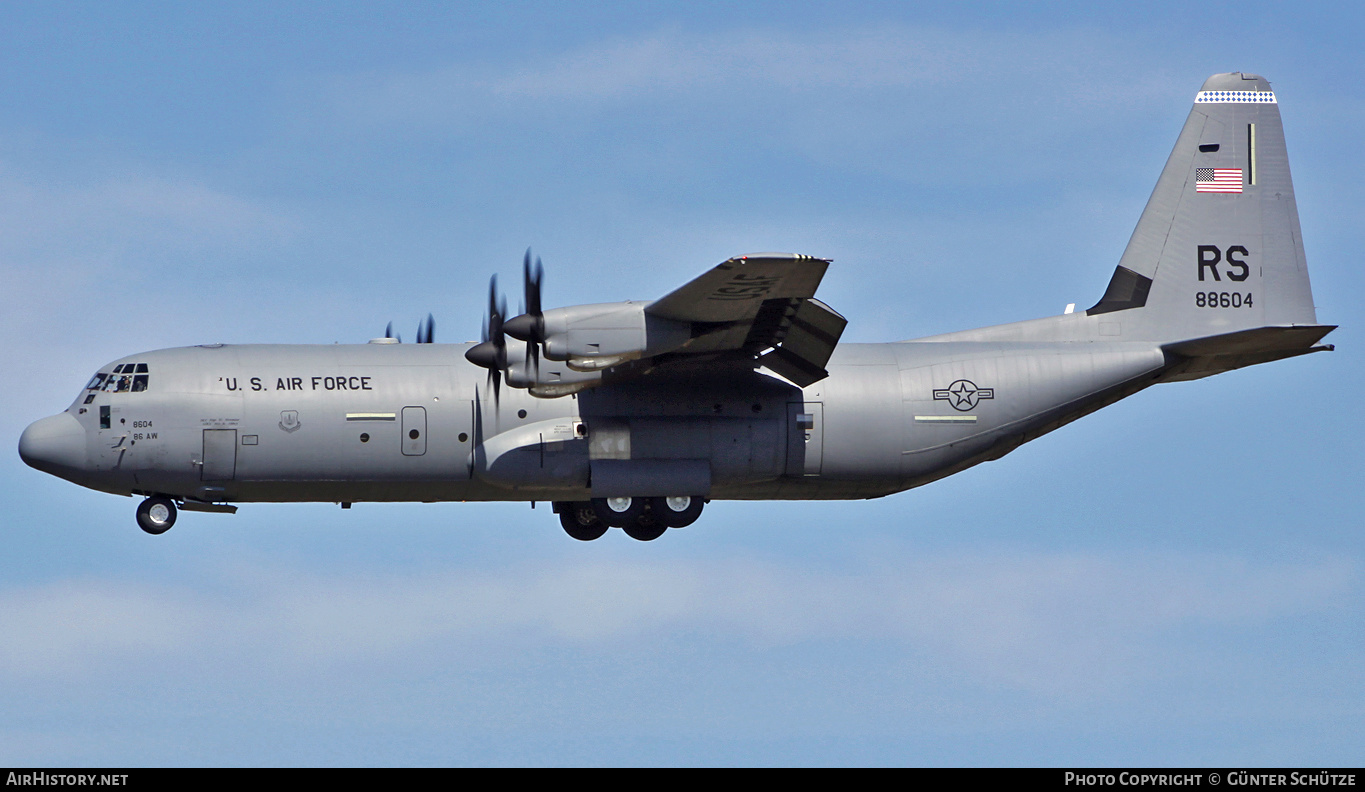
90,222
1040,623
899,63
61,629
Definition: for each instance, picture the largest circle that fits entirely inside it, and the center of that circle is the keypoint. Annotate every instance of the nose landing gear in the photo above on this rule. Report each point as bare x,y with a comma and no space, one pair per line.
156,515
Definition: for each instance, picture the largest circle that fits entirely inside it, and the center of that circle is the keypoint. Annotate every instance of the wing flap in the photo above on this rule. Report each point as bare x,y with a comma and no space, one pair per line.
807,345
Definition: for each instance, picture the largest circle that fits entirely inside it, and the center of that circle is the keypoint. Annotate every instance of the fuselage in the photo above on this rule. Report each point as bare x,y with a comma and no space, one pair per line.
735,385
417,422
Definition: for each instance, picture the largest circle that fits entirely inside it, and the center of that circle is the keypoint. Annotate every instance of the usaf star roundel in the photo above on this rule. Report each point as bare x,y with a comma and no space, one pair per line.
963,395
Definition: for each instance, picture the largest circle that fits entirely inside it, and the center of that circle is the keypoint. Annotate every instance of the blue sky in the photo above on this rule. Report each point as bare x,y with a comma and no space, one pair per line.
1174,580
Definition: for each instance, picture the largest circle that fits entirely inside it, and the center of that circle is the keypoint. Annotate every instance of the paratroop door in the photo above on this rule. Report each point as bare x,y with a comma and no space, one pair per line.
807,453
220,455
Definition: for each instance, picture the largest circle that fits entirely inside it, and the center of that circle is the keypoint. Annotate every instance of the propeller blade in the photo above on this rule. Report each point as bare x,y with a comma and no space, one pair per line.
491,353
426,330
530,325
532,281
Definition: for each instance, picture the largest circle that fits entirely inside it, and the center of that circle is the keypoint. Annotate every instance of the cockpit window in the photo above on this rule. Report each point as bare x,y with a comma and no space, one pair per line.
125,378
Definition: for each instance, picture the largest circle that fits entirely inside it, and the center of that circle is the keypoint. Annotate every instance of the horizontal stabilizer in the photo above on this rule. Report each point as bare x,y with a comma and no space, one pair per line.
1216,354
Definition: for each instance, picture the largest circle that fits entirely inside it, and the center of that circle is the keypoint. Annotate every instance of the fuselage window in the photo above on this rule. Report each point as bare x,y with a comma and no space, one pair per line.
95,382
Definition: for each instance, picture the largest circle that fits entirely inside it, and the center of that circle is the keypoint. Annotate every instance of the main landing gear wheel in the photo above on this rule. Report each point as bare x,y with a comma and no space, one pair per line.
580,521
156,515
676,511
619,512
646,528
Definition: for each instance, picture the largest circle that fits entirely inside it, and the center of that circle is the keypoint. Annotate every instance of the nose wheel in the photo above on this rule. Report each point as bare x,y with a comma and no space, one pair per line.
156,515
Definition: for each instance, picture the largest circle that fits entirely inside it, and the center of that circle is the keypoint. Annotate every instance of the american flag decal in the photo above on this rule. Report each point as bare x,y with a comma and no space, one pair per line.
1218,180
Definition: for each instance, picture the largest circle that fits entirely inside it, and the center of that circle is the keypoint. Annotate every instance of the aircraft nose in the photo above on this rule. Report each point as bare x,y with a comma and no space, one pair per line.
55,444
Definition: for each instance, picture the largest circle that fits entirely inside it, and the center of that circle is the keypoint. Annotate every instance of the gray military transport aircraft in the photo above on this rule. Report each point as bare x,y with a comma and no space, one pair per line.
734,386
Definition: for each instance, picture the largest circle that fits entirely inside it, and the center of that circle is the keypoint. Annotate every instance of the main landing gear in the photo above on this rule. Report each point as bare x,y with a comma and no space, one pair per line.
644,519
156,515
580,521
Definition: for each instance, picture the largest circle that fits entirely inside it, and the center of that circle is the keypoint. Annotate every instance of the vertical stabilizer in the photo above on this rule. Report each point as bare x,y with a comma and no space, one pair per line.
1218,248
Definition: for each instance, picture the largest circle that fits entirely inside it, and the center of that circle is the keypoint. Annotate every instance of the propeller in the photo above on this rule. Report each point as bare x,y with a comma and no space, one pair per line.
530,325
426,330
491,353
388,333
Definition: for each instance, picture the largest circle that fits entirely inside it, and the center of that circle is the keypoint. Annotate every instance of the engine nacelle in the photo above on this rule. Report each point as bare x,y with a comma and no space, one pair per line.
597,337
550,379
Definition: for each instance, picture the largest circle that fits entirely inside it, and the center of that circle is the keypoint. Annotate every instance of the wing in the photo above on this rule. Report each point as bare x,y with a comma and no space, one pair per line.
733,290
750,311
760,306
